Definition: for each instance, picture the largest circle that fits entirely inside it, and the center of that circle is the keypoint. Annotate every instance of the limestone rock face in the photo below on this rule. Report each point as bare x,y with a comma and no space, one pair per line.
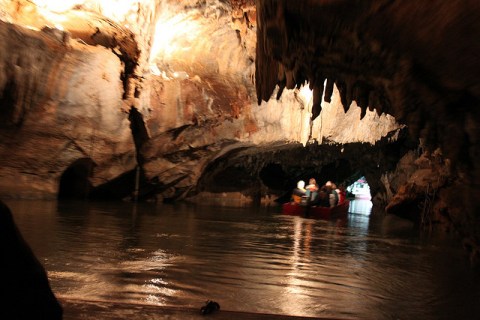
175,99
416,62
61,101
93,89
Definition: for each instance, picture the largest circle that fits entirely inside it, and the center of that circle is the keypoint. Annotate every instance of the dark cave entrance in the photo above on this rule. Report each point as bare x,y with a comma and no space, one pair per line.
274,177
7,104
74,182
235,178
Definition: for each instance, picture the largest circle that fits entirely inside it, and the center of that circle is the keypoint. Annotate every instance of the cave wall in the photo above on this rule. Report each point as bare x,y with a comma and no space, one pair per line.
416,62
61,101
177,87
178,76
370,50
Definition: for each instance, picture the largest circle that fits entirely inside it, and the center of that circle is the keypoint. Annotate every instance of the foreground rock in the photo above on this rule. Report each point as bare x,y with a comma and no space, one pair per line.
25,292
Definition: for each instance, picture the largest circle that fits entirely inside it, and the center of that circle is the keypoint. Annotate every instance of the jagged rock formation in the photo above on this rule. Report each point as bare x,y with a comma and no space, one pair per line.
80,83
168,100
417,62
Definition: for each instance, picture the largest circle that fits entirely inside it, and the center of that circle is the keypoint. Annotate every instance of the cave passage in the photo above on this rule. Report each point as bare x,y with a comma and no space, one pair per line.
360,189
74,183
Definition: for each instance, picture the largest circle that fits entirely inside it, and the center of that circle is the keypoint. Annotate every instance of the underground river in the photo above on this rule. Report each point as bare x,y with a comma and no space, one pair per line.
250,259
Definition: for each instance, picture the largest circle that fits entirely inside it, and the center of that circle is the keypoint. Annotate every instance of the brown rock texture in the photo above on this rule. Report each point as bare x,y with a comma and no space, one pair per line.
201,98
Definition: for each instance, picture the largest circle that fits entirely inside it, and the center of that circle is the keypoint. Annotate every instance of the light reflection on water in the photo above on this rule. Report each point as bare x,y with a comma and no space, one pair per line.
360,206
254,260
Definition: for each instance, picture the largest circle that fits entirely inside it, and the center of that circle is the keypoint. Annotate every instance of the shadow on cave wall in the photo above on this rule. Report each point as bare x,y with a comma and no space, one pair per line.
275,170
74,182
255,172
8,100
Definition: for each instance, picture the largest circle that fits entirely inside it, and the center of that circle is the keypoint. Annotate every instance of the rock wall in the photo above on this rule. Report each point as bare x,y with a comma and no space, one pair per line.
61,101
94,89
416,62
183,92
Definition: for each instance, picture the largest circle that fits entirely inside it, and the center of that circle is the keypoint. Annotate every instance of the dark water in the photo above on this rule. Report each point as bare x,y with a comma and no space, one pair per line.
252,260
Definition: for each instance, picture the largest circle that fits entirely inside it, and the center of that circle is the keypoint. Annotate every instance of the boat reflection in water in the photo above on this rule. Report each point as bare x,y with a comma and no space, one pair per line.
248,259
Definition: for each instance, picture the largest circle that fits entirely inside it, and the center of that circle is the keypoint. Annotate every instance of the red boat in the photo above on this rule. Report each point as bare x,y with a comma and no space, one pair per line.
294,209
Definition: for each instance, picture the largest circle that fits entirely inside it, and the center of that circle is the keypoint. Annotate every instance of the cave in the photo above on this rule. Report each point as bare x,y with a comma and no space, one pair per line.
273,176
186,101
74,183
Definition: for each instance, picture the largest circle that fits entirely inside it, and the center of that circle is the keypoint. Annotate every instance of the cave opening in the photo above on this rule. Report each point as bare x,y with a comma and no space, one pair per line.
274,177
74,182
360,192
7,104
360,189
338,171
231,179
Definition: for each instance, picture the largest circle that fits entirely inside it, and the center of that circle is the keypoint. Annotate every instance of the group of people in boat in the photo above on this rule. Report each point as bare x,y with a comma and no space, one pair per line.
327,195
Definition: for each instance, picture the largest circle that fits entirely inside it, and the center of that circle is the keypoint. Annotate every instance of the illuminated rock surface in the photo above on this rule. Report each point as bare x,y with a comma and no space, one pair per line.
187,91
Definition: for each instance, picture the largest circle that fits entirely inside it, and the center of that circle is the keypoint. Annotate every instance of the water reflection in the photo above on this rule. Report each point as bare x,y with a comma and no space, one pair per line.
294,285
360,206
248,260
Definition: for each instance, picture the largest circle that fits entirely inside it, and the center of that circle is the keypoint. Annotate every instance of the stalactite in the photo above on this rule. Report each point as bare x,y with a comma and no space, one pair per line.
350,82
363,112
290,79
282,82
329,90
361,94
317,100
281,72
266,70
281,88
299,76
374,102
342,89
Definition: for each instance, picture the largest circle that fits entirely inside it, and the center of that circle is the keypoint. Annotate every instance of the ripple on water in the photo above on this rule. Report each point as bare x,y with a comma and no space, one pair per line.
246,260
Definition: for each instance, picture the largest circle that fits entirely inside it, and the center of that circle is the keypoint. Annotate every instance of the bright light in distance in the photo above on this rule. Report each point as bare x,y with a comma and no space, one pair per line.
57,6
306,94
154,70
174,34
119,10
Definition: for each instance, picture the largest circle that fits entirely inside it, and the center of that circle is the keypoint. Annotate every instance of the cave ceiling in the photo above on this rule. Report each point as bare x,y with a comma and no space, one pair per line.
417,62
193,80
168,85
